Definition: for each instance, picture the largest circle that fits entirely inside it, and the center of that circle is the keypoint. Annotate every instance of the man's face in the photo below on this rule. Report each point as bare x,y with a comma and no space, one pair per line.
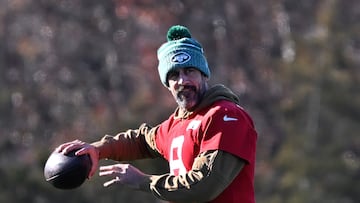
187,85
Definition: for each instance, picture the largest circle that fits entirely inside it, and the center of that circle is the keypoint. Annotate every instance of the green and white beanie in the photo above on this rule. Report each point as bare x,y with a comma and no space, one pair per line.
180,51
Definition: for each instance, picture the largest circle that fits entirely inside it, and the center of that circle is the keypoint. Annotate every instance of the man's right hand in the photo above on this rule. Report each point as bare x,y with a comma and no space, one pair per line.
82,148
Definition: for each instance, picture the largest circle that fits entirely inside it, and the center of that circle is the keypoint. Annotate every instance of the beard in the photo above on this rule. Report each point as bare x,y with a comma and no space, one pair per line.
188,97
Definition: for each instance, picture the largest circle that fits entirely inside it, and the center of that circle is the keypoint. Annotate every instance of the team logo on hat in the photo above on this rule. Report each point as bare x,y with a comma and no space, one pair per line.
180,58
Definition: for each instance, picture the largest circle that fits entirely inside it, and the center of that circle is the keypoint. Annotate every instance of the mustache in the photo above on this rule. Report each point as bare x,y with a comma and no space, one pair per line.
186,87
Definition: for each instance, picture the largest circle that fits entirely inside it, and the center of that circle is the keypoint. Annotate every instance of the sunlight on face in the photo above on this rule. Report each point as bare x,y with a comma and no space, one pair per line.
187,85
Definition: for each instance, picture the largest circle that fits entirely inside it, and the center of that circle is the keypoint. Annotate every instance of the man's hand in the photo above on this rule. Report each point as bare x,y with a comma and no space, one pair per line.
82,148
124,174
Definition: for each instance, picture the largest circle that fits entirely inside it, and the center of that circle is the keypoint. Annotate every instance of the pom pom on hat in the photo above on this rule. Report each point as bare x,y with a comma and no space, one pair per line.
180,51
177,32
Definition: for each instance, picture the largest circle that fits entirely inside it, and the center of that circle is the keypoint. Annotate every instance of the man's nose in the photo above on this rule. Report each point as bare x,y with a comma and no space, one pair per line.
183,78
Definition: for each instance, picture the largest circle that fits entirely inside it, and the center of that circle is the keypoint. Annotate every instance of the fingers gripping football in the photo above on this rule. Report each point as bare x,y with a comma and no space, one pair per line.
81,149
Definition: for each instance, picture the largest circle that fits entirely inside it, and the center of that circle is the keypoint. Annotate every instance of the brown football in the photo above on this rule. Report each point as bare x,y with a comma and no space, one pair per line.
67,171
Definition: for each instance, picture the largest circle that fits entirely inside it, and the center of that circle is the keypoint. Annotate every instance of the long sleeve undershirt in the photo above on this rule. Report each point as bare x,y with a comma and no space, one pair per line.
215,168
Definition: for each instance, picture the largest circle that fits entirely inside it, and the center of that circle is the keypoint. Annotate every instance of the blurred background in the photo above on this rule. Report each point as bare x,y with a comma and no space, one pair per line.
80,69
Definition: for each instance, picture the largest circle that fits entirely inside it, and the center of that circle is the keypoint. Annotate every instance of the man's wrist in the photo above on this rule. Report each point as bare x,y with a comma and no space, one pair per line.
145,183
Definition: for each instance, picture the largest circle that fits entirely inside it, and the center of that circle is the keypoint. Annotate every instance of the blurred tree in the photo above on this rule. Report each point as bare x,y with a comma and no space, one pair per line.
75,69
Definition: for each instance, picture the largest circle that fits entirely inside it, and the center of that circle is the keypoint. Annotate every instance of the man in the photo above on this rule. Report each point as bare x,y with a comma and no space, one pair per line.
209,140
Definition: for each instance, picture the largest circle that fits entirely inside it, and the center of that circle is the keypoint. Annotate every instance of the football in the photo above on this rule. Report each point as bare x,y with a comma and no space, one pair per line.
67,171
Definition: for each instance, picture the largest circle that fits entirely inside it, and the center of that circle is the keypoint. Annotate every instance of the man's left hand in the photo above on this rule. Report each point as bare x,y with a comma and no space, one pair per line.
124,174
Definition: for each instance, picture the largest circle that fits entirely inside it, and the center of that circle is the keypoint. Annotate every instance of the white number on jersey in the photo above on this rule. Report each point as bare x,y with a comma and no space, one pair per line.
176,164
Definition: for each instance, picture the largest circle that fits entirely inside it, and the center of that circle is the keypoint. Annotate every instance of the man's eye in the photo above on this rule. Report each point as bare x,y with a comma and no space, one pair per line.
190,71
173,75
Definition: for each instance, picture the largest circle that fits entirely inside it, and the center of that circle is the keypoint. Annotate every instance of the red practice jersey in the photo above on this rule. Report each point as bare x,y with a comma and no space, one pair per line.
222,126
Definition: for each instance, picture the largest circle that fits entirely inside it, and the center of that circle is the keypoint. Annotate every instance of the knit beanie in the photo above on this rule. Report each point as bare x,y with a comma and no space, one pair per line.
180,51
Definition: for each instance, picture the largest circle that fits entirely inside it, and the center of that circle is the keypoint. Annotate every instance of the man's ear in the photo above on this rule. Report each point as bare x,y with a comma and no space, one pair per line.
206,77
